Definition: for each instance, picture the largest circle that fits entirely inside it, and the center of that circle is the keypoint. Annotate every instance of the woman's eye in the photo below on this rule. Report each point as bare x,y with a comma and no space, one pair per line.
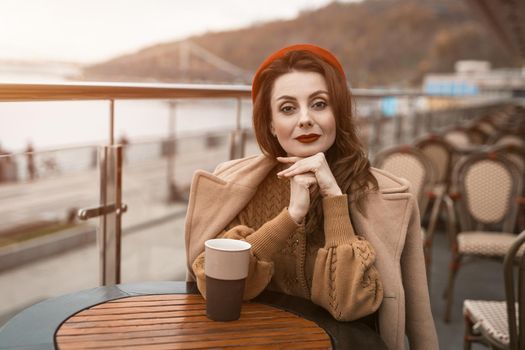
287,109
319,105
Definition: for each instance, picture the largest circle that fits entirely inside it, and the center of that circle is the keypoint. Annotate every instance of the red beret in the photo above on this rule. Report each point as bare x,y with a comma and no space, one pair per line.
318,51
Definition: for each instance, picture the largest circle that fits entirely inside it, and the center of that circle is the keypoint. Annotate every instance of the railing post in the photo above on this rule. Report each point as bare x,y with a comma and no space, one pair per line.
110,208
111,122
109,233
428,121
398,127
377,126
169,150
416,117
237,138
109,230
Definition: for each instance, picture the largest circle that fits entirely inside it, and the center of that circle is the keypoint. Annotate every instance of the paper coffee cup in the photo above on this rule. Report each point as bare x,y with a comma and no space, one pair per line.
226,266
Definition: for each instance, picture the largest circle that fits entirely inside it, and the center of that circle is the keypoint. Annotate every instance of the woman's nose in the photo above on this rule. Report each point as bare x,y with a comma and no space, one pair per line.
305,123
306,120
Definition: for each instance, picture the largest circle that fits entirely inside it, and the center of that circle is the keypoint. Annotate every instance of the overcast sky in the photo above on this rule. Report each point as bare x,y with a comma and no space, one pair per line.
88,31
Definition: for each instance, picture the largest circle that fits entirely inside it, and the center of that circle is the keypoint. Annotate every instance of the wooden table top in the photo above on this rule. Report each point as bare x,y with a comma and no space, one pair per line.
178,321
172,312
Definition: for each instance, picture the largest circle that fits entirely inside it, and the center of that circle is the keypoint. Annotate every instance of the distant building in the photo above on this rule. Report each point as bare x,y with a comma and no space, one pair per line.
474,78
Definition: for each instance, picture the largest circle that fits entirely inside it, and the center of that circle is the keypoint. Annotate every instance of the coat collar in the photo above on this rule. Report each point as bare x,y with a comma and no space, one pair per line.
215,199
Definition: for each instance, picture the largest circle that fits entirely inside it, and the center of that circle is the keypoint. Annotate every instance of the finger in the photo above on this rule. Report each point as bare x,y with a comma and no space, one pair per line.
300,163
304,177
288,160
285,171
297,169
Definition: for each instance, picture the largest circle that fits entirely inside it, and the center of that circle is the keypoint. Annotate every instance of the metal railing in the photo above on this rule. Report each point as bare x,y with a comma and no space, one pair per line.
111,208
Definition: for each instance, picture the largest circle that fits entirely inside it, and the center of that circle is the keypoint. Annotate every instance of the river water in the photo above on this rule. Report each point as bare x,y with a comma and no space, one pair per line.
71,123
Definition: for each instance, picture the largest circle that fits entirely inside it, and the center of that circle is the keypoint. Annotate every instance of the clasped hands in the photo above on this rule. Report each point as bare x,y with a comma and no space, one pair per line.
305,175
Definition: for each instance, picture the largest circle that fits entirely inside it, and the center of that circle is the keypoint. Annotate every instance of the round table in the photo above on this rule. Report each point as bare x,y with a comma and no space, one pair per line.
50,322
179,321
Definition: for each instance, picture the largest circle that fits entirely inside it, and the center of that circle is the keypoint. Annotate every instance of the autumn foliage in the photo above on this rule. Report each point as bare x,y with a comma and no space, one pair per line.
380,43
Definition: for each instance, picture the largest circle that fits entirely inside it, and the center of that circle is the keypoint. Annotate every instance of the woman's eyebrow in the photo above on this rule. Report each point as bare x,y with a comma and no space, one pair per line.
286,97
318,92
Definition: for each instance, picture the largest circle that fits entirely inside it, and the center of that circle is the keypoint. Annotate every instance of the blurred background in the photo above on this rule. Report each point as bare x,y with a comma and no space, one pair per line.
415,67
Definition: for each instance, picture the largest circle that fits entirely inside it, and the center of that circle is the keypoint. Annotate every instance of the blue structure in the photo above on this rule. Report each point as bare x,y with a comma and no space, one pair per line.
451,88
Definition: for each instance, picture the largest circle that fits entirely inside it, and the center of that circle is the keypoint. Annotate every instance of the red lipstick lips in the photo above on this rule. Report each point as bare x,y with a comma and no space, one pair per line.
308,138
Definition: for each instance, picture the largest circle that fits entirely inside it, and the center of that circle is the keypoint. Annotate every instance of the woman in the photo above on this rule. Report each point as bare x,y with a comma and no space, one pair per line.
323,225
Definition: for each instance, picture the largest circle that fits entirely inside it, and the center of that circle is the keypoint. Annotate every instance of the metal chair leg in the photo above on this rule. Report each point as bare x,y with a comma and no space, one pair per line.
427,250
449,294
468,337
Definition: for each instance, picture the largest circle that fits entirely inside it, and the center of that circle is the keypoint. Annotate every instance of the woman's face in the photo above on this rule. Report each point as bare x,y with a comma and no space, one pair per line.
302,117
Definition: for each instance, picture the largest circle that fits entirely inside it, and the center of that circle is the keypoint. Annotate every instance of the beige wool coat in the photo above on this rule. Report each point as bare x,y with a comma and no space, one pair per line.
391,225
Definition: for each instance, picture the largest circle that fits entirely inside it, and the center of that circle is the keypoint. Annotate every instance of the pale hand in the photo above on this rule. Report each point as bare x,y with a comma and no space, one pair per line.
300,188
318,166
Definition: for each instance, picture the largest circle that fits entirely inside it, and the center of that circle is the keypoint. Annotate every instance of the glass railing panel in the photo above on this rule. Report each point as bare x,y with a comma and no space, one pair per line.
45,250
157,174
250,145
53,124
151,220
156,180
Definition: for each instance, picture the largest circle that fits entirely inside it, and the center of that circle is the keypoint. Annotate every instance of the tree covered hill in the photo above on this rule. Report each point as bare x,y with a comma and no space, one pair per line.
380,43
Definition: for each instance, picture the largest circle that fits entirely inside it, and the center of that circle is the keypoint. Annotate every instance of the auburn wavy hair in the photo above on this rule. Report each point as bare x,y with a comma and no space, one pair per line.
346,158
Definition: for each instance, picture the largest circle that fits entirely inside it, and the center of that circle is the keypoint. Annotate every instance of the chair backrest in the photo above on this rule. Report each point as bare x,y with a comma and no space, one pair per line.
509,139
516,338
488,185
458,137
515,154
487,127
477,135
509,120
439,152
408,162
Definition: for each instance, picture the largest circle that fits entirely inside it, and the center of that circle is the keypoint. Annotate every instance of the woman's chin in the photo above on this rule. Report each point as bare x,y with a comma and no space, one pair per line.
304,153
307,149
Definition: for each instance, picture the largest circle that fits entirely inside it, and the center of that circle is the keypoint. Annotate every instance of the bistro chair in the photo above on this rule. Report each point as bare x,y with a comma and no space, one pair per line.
478,133
485,202
408,162
458,137
509,139
494,322
487,127
462,144
516,155
439,152
510,120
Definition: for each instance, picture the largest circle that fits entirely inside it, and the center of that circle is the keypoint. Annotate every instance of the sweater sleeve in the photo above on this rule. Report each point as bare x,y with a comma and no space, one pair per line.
345,280
265,241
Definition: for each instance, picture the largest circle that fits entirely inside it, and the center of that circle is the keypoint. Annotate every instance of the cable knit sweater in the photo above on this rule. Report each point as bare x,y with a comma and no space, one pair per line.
332,266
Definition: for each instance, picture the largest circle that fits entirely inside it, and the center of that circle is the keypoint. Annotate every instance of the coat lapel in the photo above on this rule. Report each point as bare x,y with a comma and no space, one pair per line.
384,225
